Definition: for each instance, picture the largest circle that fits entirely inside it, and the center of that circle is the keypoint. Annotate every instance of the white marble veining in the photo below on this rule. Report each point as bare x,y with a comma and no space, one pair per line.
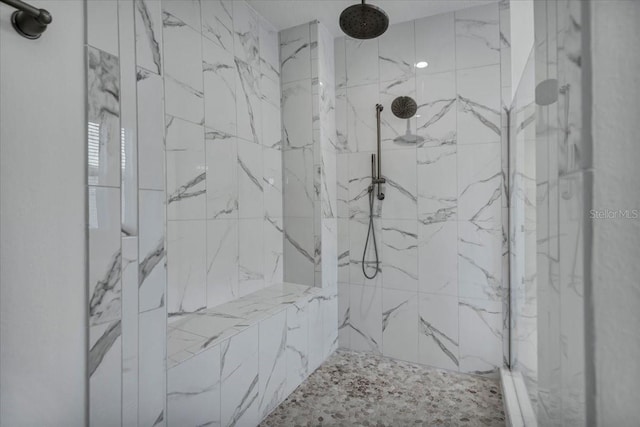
187,11
248,104
399,254
361,117
273,362
269,51
479,117
437,184
480,336
182,48
297,354
397,52
151,131
250,182
273,261
130,335
217,22
362,61
222,175
193,391
295,48
103,114
239,362
437,109
186,184
365,318
148,23
222,261
438,326
250,255
105,256
299,248
477,36
297,114
246,34
400,324
401,194
186,263
105,373
152,368
438,257
219,74
298,183
152,268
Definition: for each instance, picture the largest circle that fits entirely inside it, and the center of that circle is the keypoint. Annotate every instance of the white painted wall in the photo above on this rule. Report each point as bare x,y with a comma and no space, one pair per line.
615,267
522,37
42,221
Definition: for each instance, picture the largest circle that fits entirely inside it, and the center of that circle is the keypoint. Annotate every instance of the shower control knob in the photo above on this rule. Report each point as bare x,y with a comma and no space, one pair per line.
381,196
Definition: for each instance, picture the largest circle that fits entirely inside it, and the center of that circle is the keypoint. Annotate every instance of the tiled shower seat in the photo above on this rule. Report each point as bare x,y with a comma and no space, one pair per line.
234,363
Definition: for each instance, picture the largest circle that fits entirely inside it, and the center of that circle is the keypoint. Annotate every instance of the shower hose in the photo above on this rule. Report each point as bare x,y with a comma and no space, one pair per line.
371,234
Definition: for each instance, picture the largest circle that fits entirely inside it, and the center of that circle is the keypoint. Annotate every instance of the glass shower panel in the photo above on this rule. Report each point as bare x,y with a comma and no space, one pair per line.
522,231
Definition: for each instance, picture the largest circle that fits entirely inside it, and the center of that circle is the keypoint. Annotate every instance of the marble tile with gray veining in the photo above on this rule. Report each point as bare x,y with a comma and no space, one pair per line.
399,252
219,72
295,56
437,109
105,373
222,174
193,391
248,108
217,22
239,364
103,127
480,336
437,184
222,261
152,269
148,15
438,326
397,52
246,32
341,391
479,101
477,36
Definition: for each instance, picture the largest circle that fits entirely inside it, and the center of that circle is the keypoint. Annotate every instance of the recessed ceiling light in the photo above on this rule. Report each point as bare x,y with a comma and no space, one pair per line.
422,64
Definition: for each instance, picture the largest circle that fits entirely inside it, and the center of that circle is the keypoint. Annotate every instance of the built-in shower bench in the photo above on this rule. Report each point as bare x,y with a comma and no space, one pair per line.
234,363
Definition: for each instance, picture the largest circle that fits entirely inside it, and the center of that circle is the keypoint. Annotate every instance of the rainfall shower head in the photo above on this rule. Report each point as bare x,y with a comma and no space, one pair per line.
404,107
364,21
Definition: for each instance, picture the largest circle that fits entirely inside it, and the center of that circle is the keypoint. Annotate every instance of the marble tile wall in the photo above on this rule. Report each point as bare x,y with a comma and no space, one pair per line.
184,182
309,160
224,158
439,297
239,380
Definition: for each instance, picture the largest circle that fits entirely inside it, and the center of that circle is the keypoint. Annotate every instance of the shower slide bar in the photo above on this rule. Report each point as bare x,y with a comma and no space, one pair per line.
28,21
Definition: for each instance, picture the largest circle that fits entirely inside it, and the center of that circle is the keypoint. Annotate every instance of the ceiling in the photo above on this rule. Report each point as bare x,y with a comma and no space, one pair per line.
289,13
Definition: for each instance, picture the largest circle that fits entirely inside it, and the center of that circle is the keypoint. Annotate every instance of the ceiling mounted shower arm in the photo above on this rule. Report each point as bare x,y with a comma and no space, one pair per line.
29,21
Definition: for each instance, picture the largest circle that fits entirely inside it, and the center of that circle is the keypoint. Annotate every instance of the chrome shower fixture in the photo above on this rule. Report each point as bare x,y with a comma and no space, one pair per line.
376,180
364,21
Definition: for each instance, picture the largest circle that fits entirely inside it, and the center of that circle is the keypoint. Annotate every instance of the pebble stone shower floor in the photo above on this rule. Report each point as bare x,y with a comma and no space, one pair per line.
359,389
